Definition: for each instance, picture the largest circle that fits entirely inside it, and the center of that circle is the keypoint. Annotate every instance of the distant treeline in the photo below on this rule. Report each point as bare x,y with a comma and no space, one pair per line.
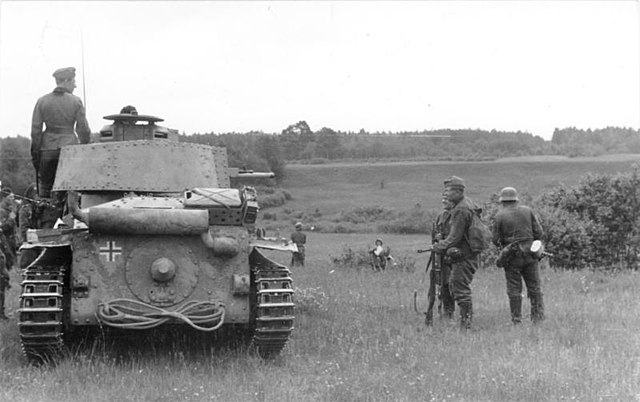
298,143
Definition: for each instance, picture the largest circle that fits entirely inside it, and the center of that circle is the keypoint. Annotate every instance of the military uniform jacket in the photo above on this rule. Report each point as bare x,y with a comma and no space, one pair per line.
298,238
460,221
63,114
441,227
516,223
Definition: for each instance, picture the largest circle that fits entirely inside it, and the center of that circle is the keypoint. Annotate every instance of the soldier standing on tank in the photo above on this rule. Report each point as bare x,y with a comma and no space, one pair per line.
514,229
464,262
440,232
300,239
63,115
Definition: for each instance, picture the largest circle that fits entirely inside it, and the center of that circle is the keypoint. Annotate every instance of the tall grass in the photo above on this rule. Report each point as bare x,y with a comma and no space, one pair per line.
357,338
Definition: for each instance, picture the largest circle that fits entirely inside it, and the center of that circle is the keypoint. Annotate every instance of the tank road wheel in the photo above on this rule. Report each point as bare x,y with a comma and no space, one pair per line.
272,289
43,306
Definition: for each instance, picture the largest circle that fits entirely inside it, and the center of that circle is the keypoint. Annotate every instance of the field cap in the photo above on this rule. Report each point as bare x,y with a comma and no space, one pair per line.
64,73
508,194
454,181
129,110
298,224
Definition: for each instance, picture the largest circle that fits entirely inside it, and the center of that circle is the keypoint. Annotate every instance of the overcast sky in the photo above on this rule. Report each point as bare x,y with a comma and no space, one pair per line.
383,66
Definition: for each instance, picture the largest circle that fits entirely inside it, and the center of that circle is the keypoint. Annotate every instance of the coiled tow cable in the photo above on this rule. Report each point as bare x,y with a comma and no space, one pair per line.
134,314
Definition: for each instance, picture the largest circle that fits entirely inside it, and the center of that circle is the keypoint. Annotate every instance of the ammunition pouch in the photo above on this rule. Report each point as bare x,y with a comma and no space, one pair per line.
454,254
507,254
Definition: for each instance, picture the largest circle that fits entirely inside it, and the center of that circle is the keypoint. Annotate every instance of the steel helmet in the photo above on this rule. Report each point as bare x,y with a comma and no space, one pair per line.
508,194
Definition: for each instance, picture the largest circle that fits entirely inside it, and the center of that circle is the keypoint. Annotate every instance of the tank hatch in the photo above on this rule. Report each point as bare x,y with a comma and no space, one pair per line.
131,127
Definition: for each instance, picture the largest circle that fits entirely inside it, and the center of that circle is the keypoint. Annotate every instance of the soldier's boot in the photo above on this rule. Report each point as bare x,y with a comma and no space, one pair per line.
537,308
449,307
515,304
466,315
428,318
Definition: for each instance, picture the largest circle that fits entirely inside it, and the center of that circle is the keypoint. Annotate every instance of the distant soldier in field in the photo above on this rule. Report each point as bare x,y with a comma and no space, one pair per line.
8,225
464,262
63,115
300,239
4,272
514,229
440,231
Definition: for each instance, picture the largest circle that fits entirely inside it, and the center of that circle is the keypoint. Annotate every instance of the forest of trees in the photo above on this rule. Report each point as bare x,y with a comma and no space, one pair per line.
299,143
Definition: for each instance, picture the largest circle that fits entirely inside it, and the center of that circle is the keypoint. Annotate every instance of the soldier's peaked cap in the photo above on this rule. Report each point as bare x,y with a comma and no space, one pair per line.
64,73
298,224
454,181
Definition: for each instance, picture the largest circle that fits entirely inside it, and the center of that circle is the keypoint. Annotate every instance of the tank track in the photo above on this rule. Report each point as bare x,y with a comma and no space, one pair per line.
274,309
41,313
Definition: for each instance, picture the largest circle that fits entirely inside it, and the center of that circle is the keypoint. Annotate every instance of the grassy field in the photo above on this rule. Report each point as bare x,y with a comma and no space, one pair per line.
328,190
357,338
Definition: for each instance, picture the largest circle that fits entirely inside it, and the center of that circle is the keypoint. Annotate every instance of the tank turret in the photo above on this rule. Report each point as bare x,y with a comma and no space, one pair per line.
159,238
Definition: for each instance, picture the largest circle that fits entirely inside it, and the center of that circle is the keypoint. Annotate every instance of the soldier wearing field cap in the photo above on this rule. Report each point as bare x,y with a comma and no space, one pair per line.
300,239
63,115
514,229
464,262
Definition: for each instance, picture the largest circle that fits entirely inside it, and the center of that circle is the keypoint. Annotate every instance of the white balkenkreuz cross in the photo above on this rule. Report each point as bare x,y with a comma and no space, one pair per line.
110,251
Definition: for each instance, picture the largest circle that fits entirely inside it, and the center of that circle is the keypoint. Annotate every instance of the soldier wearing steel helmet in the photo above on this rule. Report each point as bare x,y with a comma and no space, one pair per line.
514,229
63,115
464,262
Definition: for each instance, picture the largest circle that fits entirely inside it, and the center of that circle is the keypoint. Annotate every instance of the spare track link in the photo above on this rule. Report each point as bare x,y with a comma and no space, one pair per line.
41,313
274,316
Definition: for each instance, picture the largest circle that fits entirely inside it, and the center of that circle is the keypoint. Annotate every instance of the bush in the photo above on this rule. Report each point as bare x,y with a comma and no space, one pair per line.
272,197
596,223
271,200
269,216
573,240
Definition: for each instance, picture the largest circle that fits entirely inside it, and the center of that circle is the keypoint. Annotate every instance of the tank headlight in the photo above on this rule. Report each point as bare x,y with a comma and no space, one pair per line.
163,270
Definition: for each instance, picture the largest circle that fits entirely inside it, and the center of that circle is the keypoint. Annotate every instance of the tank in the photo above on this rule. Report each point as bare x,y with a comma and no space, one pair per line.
158,238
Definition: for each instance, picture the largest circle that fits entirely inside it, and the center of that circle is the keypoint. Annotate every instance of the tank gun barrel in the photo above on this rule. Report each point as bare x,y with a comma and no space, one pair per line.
237,173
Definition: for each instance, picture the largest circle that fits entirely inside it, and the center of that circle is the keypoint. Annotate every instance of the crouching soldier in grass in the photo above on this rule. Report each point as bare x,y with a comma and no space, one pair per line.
464,262
514,229
379,256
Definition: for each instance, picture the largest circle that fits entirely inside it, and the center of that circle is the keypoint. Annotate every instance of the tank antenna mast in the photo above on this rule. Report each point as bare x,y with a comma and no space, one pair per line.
84,81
